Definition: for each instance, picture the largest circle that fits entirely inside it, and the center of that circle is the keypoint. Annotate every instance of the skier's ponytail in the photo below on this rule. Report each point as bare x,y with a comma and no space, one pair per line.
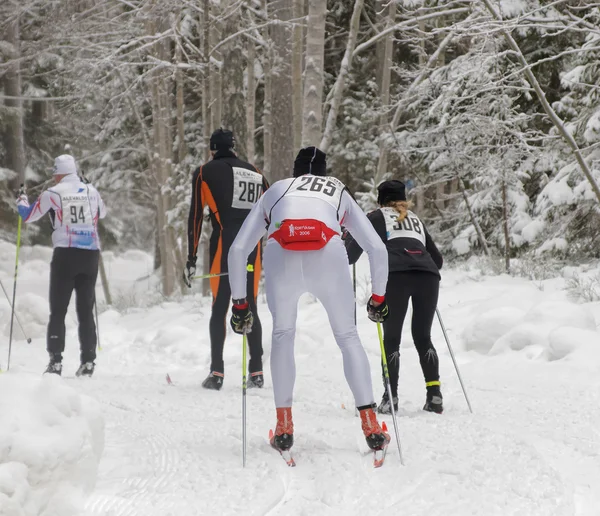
401,207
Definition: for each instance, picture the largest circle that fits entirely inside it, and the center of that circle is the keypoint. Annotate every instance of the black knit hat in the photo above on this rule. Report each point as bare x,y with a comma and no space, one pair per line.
222,139
310,160
391,191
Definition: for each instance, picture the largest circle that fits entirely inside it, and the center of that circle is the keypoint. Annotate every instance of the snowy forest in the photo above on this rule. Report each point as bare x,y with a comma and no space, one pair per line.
487,110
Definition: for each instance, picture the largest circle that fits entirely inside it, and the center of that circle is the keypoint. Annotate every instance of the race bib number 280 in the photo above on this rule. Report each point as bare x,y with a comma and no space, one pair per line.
247,188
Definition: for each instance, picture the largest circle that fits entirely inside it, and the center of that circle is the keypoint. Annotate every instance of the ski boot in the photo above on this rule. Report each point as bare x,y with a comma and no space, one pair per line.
256,380
284,431
55,364
385,405
214,381
434,402
85,369
375,436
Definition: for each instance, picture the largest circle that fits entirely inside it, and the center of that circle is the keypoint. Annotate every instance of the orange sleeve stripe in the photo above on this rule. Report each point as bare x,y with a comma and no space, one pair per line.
215,268
210,200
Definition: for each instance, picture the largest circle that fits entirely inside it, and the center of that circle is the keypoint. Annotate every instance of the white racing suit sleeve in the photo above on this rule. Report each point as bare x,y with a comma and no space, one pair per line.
47,201
250,233
363,232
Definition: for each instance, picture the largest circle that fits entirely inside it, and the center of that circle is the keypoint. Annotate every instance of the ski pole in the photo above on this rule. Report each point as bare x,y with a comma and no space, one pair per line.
12,314
453,359
97,325
354,288
16,315
204,276
244,401
388,387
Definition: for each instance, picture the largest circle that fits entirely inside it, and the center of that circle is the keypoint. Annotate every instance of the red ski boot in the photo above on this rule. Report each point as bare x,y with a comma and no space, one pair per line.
376,438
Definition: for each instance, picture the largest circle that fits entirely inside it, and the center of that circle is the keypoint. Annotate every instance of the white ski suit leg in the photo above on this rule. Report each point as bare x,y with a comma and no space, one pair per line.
325,274
332,285
284,285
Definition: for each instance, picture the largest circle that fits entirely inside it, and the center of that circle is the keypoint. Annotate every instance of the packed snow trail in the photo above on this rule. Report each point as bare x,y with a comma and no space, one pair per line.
532,446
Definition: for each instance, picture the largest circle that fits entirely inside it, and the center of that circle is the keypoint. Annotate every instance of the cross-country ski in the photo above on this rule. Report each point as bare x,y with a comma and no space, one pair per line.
286,455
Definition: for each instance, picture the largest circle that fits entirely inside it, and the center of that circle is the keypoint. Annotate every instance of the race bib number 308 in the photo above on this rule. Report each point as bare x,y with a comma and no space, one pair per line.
247,188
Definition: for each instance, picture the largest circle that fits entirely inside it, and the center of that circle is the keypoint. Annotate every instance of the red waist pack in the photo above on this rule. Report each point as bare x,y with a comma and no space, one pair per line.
303,234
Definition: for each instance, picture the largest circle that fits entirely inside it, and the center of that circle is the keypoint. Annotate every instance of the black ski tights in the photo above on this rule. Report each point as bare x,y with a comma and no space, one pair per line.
73,269
218,318
423,288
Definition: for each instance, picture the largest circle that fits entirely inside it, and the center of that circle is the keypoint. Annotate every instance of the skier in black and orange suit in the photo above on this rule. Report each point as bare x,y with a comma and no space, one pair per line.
229,187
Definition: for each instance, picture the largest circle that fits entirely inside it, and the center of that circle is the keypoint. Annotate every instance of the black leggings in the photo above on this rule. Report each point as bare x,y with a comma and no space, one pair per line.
423,288
73,269
221,290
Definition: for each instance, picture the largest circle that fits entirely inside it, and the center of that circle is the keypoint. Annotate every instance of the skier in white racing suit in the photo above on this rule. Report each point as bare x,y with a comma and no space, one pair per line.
305,253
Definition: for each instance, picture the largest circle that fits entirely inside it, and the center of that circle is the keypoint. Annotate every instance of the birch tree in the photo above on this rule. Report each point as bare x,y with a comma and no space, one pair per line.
313,74
282,143
340,83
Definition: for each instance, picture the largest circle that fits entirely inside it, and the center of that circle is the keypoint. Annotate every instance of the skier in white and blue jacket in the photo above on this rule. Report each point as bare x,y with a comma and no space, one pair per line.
74,208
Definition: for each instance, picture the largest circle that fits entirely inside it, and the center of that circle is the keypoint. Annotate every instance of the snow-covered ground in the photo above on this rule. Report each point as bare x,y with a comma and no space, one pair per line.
529,356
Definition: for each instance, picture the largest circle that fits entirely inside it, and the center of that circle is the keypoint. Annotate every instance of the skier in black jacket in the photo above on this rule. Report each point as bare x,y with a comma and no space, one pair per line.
229,187
414,264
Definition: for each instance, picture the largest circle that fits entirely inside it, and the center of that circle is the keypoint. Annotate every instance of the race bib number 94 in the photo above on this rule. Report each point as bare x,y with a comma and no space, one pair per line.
247,188
76,210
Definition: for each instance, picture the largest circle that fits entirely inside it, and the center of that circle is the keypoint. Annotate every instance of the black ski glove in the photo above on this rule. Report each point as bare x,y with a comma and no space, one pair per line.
377,313
241,317
190,272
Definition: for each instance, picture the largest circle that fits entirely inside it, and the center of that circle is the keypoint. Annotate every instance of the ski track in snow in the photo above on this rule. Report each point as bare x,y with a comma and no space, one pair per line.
531,448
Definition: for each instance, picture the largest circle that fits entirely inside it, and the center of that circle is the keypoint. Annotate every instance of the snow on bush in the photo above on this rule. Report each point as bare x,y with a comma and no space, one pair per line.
565,340
531,231
551,329
481,334
177,343
51,440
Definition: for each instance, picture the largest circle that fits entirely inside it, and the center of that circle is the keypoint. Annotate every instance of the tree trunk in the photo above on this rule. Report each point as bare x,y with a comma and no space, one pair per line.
505,227
162,156
206,123
380,22
312,128
386,80
268,101
181,146
14,137
215,79
283,116
104,281
297,52
426,69
268,115
232,74
251,102
476,225
340,83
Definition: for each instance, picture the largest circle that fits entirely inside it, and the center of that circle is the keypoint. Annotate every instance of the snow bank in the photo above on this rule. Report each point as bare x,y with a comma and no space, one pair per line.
481,334
51,440
551,330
